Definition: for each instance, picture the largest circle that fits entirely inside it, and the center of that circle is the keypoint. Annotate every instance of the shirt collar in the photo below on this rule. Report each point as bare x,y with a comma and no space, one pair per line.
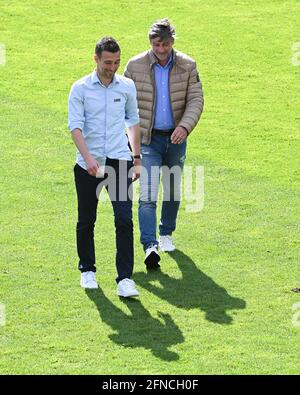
95,79
170,60
154,60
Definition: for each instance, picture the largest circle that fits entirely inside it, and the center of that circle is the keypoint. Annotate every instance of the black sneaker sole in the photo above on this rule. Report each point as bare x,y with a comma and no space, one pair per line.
152,260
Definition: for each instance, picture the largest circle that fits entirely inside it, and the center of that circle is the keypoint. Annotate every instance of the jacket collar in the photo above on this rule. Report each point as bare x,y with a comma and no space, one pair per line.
154,60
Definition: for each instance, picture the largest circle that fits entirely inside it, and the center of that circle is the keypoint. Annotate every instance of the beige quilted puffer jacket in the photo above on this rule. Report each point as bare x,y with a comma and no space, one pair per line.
184,86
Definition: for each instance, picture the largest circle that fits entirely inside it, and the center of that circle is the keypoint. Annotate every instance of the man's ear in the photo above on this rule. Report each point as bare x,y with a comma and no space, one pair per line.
96,59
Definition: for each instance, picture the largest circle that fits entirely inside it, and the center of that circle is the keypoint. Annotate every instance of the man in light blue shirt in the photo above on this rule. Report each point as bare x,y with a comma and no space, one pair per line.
102,113
101,105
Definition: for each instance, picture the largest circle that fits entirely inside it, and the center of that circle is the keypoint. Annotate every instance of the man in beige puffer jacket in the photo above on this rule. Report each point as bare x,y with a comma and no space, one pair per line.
170,102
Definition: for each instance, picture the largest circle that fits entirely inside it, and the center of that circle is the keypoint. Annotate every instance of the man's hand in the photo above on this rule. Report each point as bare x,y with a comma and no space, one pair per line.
137,163
179,135
92,166
91,163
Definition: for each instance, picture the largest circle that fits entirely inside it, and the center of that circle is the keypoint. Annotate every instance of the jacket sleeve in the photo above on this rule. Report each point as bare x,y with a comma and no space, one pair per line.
127,73
194,101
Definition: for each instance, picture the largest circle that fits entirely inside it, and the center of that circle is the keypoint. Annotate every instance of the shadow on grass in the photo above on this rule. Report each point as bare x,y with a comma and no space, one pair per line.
193,290
139,329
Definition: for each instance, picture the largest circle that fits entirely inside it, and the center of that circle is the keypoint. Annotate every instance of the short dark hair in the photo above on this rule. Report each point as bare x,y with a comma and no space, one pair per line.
162,29
106,44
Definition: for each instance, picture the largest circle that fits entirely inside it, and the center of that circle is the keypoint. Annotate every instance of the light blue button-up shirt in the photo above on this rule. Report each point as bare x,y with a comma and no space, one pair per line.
102,113
163,111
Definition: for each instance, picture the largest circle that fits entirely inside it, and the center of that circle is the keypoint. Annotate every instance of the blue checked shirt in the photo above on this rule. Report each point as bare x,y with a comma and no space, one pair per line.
163,111
102,114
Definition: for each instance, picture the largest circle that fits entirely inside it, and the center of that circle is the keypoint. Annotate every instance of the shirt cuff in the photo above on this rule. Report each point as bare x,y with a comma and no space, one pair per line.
75,125
131,122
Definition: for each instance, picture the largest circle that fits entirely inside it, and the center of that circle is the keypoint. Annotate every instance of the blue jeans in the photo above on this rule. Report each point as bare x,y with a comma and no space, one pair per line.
157,160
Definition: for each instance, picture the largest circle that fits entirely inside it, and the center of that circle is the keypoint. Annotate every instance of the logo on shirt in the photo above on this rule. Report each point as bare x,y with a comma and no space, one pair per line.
118,99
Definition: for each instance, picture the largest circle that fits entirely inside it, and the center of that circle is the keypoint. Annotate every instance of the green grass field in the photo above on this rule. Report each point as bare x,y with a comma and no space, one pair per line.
222,304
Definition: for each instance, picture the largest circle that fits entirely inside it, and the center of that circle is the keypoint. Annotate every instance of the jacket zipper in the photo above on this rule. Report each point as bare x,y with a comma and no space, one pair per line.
154,101
170,92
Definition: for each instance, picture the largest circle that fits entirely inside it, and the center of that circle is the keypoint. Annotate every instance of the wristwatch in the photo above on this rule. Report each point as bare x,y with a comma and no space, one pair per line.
137,157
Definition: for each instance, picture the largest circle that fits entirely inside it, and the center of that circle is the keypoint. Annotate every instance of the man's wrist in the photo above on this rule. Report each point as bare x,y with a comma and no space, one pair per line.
183,127
87,157
138,156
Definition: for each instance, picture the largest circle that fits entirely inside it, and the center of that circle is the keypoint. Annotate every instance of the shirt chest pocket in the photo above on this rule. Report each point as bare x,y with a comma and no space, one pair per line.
117,105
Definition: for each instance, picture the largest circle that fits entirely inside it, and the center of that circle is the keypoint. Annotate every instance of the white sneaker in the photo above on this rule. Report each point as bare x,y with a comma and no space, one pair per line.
88,280
126,288
166,243
152,258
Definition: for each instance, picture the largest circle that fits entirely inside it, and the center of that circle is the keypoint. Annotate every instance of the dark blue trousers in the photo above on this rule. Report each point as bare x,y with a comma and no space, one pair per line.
87,187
